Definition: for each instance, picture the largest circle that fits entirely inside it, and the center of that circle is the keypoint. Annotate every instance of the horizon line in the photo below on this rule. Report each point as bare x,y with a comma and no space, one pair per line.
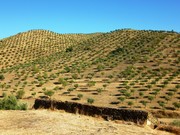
163,30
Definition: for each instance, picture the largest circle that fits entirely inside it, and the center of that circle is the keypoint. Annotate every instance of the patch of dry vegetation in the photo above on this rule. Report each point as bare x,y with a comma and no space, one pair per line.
44,122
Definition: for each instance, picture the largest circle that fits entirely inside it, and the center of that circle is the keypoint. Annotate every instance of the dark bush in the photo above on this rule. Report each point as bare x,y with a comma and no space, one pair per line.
69,49
2,77
117,51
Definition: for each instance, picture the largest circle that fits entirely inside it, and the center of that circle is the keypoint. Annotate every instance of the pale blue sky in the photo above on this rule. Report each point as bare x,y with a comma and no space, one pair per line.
87,16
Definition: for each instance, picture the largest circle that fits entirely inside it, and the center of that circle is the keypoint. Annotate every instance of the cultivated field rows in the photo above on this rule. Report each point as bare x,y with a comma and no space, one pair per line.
121,69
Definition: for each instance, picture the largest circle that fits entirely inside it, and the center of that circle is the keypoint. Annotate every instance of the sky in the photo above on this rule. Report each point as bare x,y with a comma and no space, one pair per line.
87,16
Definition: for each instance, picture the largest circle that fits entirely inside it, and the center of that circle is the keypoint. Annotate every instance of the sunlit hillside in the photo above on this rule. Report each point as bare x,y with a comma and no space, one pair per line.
122,69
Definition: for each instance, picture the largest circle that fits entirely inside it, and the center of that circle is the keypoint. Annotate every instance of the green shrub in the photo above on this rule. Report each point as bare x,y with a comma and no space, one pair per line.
150,98
33,94
8,103
90,100
121,99
100,67
177,86
117,51
56,88
63,82
175,123
176,105
144,103
76,86
4,94
104,86
23,106
130,103
99,90
69,49
20,94
2,77
75,76
49,93
162,104
91,83
141,94
80,96
11,103
127,94
67,69
70,89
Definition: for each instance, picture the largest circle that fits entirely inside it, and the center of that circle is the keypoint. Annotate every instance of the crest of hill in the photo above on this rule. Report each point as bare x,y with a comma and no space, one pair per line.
40,35
35,44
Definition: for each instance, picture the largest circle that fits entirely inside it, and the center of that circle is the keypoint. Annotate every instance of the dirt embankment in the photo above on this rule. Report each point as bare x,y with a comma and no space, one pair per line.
136,116
165,114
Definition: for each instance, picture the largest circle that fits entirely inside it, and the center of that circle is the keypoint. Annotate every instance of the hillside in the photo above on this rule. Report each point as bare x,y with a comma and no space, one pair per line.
121,69
30,45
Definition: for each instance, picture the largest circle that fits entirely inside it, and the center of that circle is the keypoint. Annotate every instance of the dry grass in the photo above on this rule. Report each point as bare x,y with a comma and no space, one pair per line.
43,122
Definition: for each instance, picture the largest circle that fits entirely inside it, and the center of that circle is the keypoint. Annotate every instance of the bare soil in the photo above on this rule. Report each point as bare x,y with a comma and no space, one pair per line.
46,122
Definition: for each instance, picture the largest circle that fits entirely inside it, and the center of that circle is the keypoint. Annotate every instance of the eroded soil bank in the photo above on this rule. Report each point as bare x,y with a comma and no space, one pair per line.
136,116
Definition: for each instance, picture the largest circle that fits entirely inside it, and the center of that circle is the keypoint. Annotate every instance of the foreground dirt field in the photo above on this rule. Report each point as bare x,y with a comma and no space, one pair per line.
41,122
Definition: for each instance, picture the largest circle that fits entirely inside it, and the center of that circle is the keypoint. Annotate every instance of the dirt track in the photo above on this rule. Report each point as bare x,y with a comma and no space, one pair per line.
40,122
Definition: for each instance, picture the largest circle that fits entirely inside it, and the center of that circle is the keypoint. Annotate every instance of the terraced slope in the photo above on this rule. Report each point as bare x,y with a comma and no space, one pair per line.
33,44
122,68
